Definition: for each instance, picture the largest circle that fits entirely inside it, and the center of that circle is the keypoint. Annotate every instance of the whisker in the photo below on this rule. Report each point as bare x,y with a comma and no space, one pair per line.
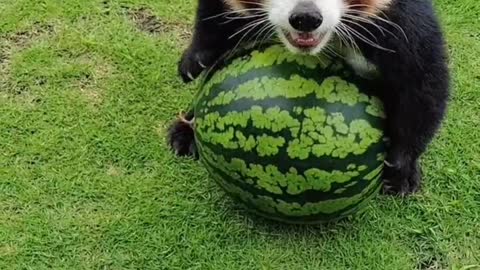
268,27
365,39
250,26
320,60
371,22
331,50
351,41
341,37
253,3
271,33
365,20
246,17
239,12
271,36
361,26
396,26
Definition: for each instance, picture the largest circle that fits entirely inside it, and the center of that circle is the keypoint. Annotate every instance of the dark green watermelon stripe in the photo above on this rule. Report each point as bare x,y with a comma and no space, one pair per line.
324,163
309,193
351,187
304,197
347,212
318,218
231,131
285,70
349,112
307,196
272,180
272,56
333,90
275,205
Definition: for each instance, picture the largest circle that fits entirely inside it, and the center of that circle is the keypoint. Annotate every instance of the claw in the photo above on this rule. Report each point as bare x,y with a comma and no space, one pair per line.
390,190
387,187
183,119
201,64
190,76
389,164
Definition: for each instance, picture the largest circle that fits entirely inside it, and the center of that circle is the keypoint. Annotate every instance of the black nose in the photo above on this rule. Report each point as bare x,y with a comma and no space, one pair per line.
305,17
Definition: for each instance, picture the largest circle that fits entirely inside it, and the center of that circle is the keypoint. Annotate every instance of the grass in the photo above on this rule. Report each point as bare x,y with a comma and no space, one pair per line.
86,182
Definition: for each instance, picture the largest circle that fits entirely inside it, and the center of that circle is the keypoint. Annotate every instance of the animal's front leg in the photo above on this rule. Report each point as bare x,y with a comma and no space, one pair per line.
413,116
211,39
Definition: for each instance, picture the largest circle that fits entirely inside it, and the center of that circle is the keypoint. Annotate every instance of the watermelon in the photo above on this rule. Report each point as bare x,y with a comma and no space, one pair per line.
295,138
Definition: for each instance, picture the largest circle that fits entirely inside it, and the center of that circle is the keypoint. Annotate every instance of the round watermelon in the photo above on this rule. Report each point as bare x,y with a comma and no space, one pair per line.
296,138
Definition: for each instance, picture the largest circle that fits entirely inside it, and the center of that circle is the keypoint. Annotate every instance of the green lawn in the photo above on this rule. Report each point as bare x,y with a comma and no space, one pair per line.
87,88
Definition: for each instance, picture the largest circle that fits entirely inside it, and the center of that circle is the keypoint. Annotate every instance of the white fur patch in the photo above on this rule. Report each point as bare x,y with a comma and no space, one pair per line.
280,10
360,64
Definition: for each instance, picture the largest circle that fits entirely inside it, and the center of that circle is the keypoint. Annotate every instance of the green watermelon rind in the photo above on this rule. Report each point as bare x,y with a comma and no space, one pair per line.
227,80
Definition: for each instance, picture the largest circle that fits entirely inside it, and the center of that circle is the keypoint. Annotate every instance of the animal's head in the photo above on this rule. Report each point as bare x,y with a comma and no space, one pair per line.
306,26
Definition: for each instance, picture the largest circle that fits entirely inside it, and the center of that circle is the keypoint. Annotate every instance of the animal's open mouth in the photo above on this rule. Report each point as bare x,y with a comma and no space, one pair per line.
304,41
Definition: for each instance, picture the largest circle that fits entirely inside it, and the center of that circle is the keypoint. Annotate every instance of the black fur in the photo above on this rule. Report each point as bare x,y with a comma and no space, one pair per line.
210,38
181,137
415,79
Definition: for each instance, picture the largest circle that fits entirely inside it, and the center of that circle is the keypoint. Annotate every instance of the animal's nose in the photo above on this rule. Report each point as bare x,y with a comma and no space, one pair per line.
306,17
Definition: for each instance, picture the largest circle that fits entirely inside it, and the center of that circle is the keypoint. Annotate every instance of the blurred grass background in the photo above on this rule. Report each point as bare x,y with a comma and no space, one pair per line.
87,88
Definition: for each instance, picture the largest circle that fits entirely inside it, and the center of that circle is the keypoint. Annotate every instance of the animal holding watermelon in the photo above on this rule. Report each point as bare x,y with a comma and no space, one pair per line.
294,137
297,136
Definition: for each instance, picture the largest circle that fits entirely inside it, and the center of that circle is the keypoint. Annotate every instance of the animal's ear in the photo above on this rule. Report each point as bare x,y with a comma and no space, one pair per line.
234,4
243,5
373,7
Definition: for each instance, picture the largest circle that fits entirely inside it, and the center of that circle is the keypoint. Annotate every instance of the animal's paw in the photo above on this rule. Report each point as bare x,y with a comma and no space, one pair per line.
401,179
181,136
194,62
